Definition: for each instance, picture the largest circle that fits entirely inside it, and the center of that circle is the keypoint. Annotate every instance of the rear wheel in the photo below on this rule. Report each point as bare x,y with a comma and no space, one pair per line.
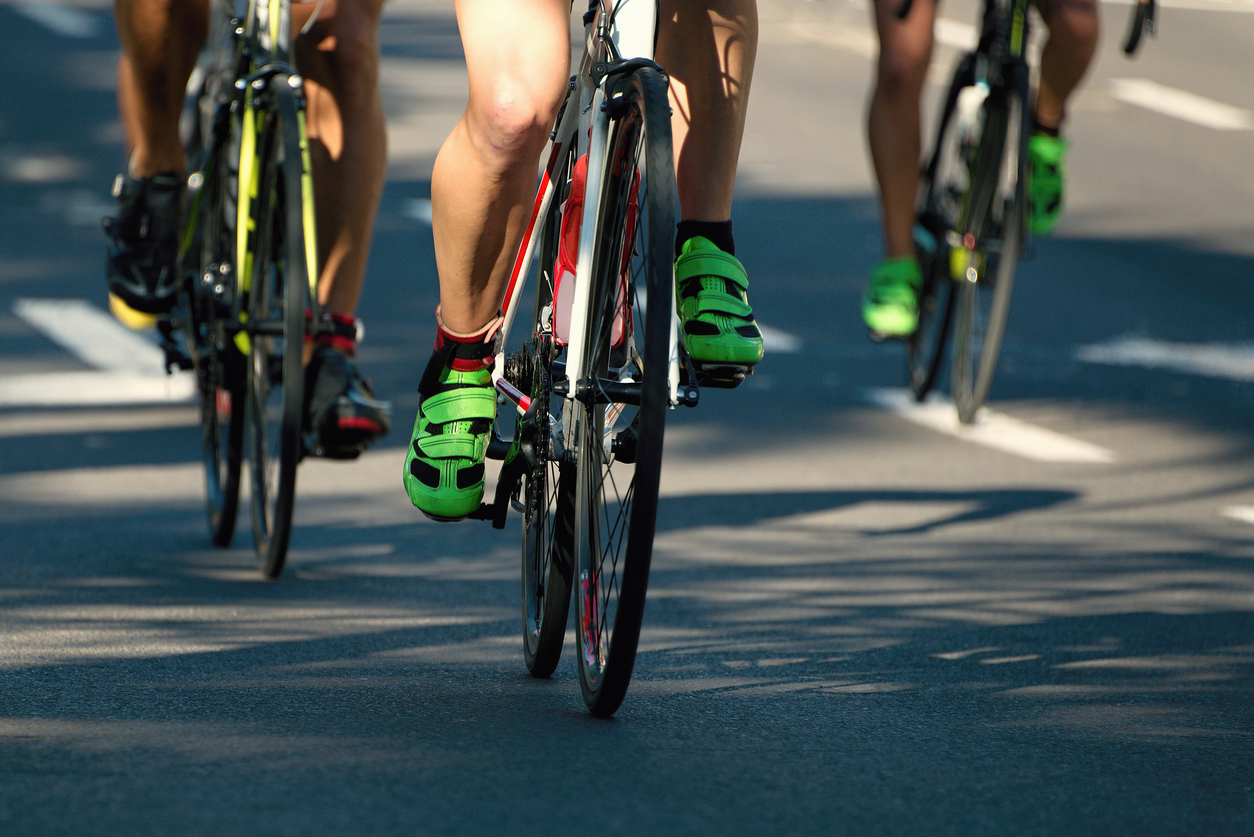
279,297
548,492
220,369
615,423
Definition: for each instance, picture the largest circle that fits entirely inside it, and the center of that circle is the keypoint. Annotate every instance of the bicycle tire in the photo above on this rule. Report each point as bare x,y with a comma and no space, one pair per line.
618,453
936,215
279,297
220,370
547,492
994,222
925,348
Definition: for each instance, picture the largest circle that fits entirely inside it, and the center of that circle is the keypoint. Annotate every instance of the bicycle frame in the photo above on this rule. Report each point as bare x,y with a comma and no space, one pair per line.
612,30
259,53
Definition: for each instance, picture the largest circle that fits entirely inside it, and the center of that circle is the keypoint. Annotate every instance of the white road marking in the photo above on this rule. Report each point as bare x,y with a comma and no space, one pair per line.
132,367
1234,361
71,389
779,342
1181,105
1245,514
64,20
993,430
417,209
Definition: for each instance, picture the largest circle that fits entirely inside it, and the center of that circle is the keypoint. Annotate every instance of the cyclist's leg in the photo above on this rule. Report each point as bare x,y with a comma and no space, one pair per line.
894,135
482,186
160,42
1068,52
708,49
339,59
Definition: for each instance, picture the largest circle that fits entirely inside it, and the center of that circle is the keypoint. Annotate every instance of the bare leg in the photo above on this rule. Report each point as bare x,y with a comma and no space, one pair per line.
708,49
339,59
160,42
893,121
483,184
1073,36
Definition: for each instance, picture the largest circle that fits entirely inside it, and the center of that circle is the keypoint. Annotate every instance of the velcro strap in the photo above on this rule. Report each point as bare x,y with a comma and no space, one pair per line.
462,404
450,446
705,263
718,303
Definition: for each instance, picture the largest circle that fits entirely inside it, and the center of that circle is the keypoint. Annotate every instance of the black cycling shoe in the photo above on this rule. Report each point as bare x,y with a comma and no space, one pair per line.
342,417
143,241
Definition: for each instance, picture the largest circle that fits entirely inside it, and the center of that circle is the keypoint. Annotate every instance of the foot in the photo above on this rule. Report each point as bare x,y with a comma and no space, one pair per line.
143,242
715,317
890,305
1046,155
444,470
343,417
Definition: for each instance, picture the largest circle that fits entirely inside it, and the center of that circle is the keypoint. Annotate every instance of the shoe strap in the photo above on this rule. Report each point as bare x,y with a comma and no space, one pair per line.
699,263
465,402
717,301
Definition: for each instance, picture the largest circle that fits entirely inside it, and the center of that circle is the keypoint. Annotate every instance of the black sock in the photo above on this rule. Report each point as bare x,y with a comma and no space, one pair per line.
719,232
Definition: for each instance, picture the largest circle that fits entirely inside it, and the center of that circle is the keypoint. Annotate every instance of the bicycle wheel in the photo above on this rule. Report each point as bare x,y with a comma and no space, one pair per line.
926,347
943,186
984,258
279,296
221,375
220,371
547,493
616,421
547,496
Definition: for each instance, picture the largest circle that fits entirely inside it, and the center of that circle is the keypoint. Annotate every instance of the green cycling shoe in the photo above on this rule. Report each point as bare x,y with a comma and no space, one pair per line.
890,305
1046,157
715,317
444,470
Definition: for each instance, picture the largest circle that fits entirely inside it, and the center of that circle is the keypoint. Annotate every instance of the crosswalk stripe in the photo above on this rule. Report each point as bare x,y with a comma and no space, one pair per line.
131,368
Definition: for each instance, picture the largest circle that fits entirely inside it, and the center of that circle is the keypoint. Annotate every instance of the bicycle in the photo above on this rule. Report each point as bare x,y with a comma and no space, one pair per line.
971,223
248,256
600,361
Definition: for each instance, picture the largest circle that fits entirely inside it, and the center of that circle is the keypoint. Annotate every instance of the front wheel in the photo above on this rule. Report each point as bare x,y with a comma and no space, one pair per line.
279,297
615,422
983,262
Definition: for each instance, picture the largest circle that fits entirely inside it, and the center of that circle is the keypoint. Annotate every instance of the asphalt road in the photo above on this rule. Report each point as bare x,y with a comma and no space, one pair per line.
860,620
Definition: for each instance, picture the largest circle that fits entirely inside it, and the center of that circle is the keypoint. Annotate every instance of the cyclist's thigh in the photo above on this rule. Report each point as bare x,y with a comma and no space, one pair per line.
518,62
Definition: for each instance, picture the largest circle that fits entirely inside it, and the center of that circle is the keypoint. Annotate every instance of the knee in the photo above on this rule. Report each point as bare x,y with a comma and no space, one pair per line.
509,124
902,69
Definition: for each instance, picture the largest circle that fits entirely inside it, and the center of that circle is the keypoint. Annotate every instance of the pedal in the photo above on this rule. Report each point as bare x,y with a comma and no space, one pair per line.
722,375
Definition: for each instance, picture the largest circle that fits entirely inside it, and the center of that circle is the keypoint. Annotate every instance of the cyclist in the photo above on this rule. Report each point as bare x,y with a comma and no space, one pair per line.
890,303
517,57
339,58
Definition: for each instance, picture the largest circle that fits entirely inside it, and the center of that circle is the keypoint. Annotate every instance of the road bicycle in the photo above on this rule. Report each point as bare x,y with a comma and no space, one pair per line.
586,391
971,222
248,256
